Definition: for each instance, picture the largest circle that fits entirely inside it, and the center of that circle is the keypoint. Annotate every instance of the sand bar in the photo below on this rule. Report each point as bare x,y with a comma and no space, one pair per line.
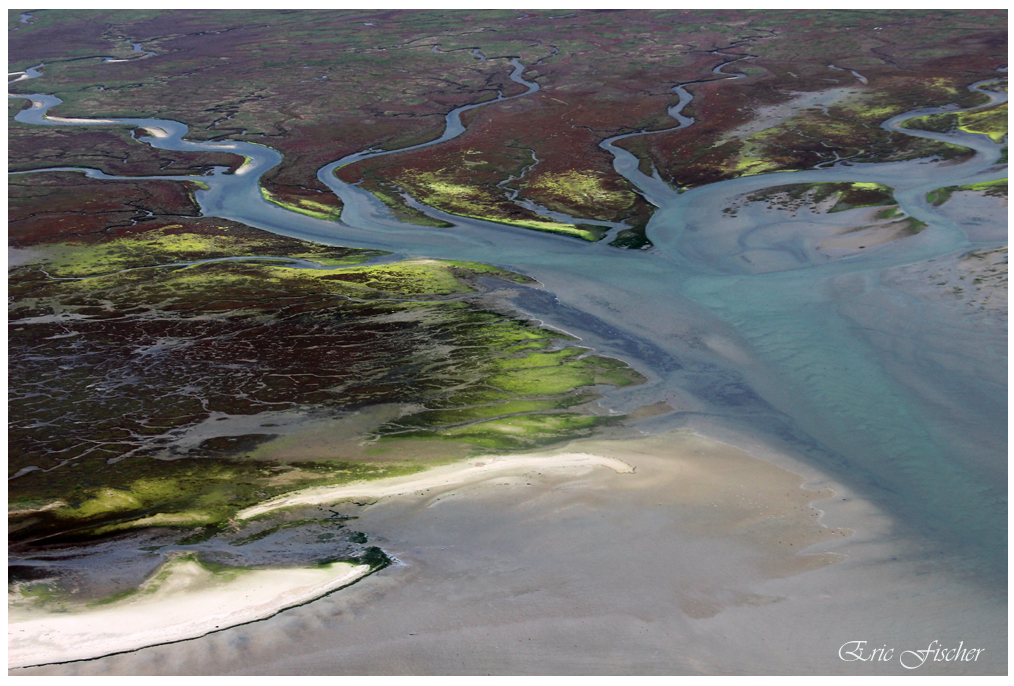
182,600
73,120
468,472
707,558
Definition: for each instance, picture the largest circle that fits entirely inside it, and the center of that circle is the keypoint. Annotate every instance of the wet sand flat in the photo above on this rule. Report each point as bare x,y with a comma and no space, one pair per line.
692,563
983,217
184,601
688,565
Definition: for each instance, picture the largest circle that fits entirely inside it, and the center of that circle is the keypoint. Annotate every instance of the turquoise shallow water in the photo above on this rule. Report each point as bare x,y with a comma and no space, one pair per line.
770,346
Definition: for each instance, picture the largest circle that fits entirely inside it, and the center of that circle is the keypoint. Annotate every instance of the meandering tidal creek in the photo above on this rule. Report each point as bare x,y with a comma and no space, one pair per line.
741,326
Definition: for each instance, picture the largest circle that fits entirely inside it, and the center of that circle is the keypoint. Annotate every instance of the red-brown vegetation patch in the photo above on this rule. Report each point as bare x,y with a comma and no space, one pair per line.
320,84
55,207
108,149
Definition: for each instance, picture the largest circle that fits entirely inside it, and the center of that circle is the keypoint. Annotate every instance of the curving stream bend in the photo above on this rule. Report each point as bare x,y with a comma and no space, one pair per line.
741,336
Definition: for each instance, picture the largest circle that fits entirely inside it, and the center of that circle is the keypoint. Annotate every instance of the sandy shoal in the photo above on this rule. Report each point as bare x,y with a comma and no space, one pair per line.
460,474
73,120
702,559
188,602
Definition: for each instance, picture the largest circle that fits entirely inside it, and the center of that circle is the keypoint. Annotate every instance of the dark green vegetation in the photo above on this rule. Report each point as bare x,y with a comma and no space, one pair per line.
912,226
145,352
122,357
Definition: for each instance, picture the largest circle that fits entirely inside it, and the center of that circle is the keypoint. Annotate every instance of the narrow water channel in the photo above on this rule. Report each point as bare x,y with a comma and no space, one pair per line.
765,345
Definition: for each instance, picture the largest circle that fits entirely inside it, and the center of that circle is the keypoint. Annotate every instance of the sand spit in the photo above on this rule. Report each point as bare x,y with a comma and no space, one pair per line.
182,600
701,558
73,120
468,472
185,600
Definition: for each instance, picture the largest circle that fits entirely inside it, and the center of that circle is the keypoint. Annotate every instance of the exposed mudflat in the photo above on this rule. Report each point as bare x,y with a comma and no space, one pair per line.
862,350
705,559
984,217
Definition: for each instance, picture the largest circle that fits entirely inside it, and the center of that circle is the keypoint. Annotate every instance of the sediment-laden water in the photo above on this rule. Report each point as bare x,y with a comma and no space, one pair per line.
748,332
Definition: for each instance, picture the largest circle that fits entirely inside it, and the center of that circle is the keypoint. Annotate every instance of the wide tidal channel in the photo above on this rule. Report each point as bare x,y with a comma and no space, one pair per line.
746,334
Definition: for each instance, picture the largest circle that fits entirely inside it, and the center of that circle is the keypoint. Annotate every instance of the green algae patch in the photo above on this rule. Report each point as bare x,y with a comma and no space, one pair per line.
531,402
559,372
911,226
173,244
310,208
480,413
846,196
581,189
997,188
633,238
585,232
186,493
105,501
520,432
413,277
429,278
853,195
547,380
480,202
754,157
940,195
480,268
991,122
44,594
389,194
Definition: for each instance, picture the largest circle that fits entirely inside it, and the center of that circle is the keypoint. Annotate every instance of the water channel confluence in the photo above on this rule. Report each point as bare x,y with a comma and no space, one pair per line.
762,345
